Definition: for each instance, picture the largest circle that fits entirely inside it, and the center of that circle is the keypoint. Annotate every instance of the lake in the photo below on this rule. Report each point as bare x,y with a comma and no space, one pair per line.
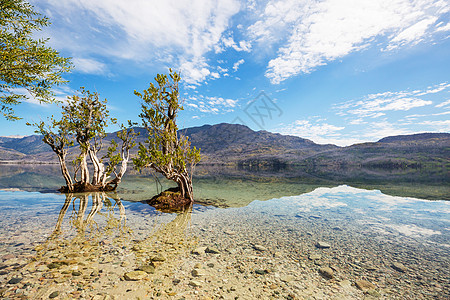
288,234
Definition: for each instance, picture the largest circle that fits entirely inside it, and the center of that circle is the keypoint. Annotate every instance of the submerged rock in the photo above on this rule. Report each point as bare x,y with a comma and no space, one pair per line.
287,278
259,248
364,285
15,280
158,258
326,272
195,283
198,273
323,245
212,250
399,267
199,251
148,269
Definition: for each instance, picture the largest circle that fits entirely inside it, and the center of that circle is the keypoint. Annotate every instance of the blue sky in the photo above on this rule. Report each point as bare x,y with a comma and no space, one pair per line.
333,71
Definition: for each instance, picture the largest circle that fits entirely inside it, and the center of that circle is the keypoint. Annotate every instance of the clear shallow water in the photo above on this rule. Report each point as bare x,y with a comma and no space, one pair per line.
103,238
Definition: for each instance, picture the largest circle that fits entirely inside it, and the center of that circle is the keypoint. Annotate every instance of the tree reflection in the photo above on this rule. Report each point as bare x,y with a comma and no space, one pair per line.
106,217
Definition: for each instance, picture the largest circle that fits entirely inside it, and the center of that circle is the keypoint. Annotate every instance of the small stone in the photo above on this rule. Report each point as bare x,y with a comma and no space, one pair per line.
147,269
158,258
345,283
54,295
260,272
211,265
212,250
197,266
259,248
125,264
314,256
53,265
39,248
326,272
199,251
61,279
76,273
229,232
374,293
364,285
399,267
322,245
135,275
287,278
195,283
198,272
15,280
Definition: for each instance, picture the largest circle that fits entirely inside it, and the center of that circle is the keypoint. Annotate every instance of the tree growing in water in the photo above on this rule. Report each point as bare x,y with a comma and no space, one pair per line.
164,151
83,122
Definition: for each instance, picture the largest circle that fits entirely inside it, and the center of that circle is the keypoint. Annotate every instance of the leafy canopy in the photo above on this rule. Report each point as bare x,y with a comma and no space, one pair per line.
164,150
28,68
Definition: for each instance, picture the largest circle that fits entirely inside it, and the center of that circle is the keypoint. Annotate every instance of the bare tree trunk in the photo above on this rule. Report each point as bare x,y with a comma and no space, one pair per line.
99,168
65,172
122,171
84,169
185,186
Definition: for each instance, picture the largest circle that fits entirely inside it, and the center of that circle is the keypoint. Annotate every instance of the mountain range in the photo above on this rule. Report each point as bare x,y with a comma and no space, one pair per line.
239,145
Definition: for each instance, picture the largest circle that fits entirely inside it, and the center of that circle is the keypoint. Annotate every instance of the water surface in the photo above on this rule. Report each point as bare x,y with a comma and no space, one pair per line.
265,236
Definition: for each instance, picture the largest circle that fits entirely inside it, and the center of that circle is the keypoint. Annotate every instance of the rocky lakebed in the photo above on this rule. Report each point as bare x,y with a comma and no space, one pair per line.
332,243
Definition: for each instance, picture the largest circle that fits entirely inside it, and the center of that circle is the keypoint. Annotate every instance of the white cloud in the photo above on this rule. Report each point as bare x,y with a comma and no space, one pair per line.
438,125
381,129
445,103
312,33
317,131
213,105
174,32
445,27
376,105
88,65
237,64
412,34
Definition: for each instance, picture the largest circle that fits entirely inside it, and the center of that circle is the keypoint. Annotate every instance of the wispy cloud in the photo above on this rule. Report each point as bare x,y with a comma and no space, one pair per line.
310,33
438,125
237,64
214,105
443,104
375,116
376,105
89,65
316,130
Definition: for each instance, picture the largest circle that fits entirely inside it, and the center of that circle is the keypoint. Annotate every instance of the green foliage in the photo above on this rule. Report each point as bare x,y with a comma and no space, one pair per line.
87,117
25,62
164,150
84,120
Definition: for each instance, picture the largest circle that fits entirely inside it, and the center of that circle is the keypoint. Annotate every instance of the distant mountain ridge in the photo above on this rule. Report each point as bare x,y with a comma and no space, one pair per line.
238,144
